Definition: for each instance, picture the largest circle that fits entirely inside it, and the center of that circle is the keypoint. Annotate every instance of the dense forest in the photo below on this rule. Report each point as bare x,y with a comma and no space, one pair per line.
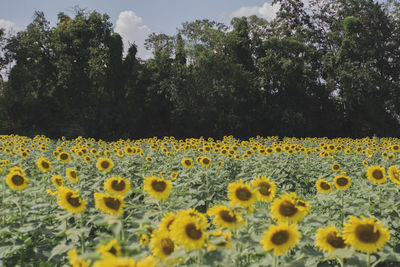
329,69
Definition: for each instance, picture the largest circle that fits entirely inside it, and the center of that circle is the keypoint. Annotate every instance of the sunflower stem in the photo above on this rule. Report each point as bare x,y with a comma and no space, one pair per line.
82,235
342,208
368,260
21,197
275,261
379,201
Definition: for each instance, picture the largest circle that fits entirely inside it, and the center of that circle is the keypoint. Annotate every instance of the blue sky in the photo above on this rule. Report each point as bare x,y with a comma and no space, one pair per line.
135,19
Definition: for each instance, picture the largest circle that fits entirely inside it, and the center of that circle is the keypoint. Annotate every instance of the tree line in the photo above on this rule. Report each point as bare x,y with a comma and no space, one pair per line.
328,69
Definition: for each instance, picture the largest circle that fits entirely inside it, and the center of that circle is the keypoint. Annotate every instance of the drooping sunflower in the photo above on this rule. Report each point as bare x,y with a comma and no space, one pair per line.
187,163
16,180
166,221
72,175
336,167
115,262
220,240
376,174
328,239
43,164
225,217
365,235
284,209
70,200
110,249
323,186
342,182
104,164
158,188
241,194
117,185
205,161
394,174
265,189
64,156
57,180
188,232
109,204
280,238
161,245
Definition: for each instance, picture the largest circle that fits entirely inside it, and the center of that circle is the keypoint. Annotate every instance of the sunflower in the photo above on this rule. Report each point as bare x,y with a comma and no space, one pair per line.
225,217
109,204
220,240
284,209
280,238
115,262
342,182
174,176
205,161
365,235
328,239
202,219
158,188
75,260
241,194
365,163
149,159
43,164
64,156
187,163
376,174
104,164
166,221
323,186
336,167
161,245
394,174
111,249
57,180
16,180
72,175
144,239
70,200
17,169
117,185
188,232
265,188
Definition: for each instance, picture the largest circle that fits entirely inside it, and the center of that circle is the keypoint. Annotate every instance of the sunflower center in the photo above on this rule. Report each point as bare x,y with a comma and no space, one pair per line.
45,165
206,161
167,246
112,203
336,167
105,164
118,185
113,251
342,181
264,189
73,174
287,209
192,231
377,174
280,237
325,186
159,186
335,240
18,179
227,216
63,156
366,234
243,194
73,201
59,182
188,162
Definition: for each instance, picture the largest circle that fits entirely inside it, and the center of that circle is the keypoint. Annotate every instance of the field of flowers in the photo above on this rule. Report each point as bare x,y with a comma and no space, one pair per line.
199,202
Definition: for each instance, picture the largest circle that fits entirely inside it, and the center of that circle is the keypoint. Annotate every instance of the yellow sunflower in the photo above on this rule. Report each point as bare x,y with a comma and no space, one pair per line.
72,175
284,209
117,185
109,204
241,194
70,200
75,260
111,249
16,180
225,217
115,262
265,189
64,156
161,245
17,169
43,164
336,167
174,176
104,164
188,232
205,161
328,239
158,188
202,219
394,174
144,239
323,186
342,182
365,163
280,238
57,180
365,235
149,159
187,163
376,174
166,221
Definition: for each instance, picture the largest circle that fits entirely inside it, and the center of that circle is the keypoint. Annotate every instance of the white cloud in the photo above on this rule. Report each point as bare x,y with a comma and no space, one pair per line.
9,26
132,30
266,11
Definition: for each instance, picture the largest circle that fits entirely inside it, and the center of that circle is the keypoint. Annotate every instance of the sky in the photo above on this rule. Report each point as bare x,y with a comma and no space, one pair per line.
134,20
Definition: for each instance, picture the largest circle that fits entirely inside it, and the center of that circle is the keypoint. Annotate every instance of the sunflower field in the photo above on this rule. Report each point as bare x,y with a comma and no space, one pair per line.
265,201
